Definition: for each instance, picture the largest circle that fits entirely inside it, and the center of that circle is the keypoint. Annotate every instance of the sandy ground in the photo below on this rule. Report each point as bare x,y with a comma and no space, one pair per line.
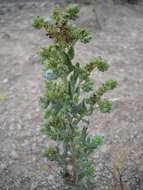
118,38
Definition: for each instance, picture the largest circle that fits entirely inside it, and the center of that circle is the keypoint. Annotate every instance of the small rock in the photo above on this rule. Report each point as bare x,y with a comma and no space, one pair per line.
3,166
51,178
34,185
44,4
37,109
2,12
14,155
5,81
122,70
19,126
37,131
34,59
104,148
5,36
20,6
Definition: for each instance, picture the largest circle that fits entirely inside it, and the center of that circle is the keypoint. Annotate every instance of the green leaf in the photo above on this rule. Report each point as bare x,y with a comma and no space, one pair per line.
38,22
100,63
67,61
88,140
71,12
56,14
110,84
85,36
56,106
96,141
90,170
73,80
105,106
44,52
50,153
71,53
45,152
87,86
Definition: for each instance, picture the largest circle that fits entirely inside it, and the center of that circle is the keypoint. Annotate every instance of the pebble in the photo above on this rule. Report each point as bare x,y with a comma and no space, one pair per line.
104,148
14,155
3,166
5,36
34,185
37,109
5,81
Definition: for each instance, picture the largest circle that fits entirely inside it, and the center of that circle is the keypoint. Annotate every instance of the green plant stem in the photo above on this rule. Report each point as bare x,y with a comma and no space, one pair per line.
73,160
73,157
